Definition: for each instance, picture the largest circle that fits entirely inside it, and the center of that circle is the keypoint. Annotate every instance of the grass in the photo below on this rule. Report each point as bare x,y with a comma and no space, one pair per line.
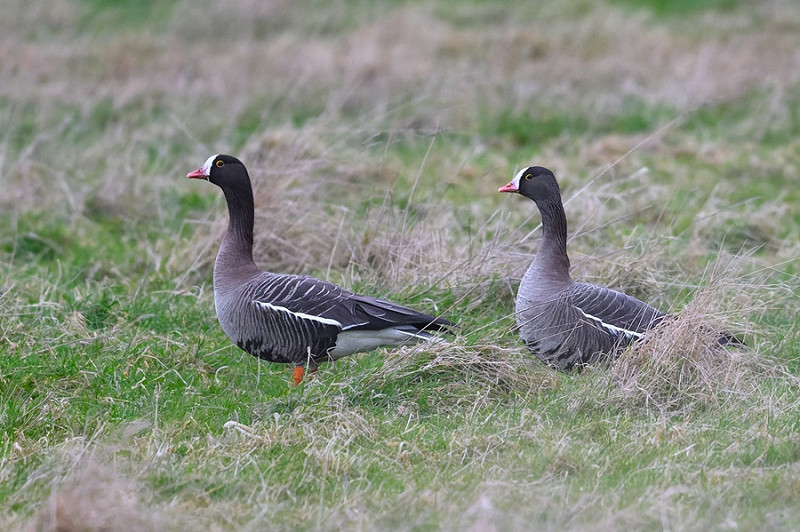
376,137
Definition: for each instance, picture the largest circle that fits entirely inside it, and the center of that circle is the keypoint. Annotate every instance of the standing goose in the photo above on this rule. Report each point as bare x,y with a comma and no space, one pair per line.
293,319
563,322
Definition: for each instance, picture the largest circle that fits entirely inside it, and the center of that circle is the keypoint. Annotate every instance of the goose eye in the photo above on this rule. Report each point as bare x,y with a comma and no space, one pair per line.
220,164
528,177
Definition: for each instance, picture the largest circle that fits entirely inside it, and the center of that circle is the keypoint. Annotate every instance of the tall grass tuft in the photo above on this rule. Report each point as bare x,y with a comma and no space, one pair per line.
457,365
680,367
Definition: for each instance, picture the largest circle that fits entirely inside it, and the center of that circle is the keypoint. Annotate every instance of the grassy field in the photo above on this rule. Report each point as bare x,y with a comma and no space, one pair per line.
376,134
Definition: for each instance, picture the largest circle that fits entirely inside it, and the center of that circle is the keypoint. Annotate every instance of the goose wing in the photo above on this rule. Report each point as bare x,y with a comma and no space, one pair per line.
369,313
292,315
327,304
298,312
619,314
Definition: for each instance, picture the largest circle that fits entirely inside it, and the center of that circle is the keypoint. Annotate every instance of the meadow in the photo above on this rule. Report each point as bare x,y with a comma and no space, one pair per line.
377,134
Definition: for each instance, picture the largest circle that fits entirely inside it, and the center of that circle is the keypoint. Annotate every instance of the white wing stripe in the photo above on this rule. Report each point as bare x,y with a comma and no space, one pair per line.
613,328
355,325
300,315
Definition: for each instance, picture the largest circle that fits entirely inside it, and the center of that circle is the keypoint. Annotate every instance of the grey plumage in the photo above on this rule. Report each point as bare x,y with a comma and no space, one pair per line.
293,319
563,322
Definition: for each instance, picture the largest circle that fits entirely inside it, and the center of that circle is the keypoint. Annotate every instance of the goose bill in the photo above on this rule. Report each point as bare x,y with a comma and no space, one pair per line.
510,187
200,173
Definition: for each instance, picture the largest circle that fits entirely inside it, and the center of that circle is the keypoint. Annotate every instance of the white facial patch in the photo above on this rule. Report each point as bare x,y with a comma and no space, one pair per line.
207,165
518,177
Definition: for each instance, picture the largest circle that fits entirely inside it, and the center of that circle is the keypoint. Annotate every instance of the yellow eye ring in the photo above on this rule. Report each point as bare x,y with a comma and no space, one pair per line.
528,177
220,164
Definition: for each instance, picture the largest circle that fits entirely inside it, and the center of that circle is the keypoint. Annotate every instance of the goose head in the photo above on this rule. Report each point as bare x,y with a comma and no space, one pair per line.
225,171
534,182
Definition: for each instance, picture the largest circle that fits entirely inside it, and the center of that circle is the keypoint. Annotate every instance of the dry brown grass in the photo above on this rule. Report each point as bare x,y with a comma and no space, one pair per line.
483,367
679,367
94,497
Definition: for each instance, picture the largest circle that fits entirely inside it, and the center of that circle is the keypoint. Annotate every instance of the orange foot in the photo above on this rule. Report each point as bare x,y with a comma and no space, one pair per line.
298,375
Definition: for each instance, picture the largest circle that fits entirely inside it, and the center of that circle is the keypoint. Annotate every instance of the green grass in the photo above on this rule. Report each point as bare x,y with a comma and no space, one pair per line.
377,135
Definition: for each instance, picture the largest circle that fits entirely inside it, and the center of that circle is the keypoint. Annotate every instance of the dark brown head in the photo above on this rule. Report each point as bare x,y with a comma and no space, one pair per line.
225,171
535,182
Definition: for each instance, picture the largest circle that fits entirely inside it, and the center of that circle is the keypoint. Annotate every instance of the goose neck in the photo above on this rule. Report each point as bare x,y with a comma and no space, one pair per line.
552,254
239,238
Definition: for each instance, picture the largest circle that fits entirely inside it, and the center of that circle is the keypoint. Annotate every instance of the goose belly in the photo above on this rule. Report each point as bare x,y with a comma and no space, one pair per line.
349,342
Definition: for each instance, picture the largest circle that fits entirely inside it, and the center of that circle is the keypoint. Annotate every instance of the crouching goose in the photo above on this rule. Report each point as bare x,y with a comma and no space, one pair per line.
293,319
563,322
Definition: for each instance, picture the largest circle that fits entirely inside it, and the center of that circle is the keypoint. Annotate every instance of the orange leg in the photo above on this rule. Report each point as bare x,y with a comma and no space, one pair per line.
298,375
